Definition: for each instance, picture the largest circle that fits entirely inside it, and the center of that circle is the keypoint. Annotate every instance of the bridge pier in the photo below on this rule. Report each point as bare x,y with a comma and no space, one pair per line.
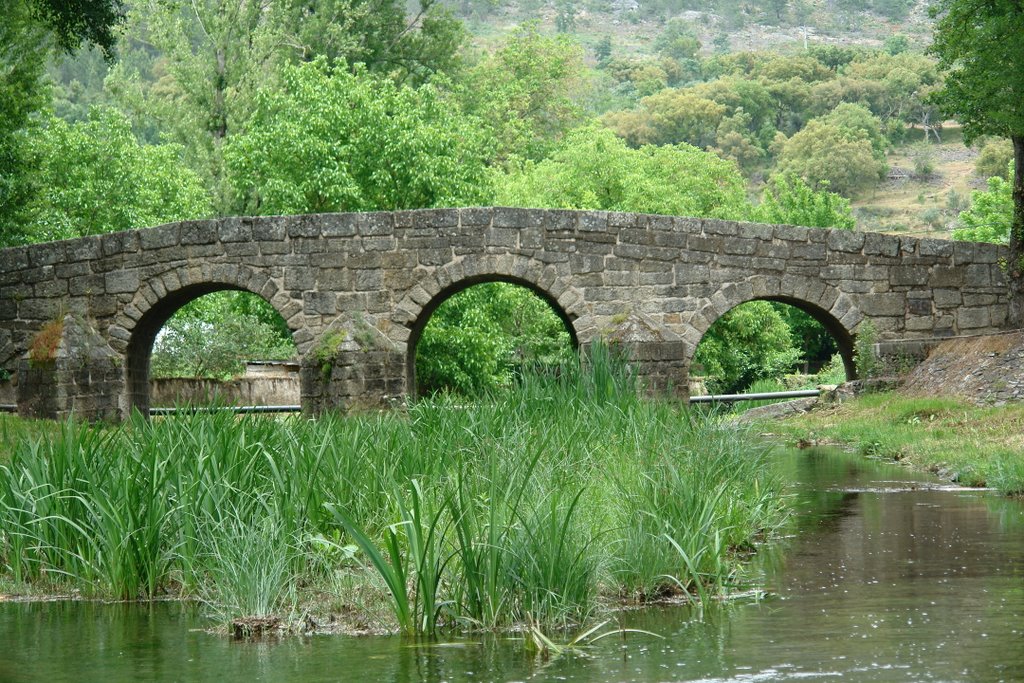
70,369
655,356
353,365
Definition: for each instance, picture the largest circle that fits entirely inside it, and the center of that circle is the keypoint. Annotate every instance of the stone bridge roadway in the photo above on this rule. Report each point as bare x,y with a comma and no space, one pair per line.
356,291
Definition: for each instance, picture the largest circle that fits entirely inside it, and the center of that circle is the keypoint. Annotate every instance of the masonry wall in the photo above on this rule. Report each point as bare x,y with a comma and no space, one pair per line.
674,276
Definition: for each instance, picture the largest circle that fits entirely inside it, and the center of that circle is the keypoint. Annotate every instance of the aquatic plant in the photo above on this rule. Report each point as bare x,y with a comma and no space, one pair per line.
534,505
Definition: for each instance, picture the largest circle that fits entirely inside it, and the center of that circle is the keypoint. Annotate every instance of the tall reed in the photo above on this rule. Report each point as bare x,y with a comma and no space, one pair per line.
532,506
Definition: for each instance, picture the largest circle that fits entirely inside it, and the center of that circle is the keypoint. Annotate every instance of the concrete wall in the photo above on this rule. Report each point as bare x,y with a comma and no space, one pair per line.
244,391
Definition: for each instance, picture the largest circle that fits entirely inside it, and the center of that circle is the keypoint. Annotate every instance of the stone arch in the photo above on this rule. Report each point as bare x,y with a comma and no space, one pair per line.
422,300
136,326
833,309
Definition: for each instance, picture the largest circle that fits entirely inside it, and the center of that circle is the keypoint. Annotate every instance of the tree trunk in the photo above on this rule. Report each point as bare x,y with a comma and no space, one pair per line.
1015,262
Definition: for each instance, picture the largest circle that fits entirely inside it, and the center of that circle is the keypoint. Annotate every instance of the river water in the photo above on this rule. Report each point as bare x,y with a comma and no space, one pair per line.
886,576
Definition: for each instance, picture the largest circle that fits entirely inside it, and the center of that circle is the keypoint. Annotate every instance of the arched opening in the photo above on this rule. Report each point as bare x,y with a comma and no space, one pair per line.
484,332
772,344
199,342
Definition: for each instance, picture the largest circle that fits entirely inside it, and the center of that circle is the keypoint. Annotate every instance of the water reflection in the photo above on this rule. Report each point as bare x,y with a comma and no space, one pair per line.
884,578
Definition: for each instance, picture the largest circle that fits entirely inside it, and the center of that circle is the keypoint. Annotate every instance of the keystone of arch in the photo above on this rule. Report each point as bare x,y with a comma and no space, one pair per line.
548,279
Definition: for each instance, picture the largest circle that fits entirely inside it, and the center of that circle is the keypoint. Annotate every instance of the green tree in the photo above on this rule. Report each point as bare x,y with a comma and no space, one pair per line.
825,151
30,31
487,335
678,40
995,159
379,34
669,117
594,169
750,342
211,337
790,201
977,43
22,94
990,216
72,22
326,139
213,55
99,179
565,16
526,92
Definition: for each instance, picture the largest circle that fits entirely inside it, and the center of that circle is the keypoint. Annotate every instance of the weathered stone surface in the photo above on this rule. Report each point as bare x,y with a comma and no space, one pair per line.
600,270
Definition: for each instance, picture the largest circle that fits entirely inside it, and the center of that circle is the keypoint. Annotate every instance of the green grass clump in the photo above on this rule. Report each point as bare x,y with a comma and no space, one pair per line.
974,445
535,506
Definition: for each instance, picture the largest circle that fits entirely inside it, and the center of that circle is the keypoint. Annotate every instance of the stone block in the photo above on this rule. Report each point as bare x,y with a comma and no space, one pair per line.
593,221
377,224
941,249
881,245
740,247
268,229
947,298
703,243
46,254
891,304
977,275
845,240
126,281
379,243
908,276
117,243
946,276
972,318
198,233
299,279
319,303
366,280
436,218
713,226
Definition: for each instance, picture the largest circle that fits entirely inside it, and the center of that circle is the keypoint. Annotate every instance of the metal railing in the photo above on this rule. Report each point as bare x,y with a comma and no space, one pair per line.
709,398
768,395
235,409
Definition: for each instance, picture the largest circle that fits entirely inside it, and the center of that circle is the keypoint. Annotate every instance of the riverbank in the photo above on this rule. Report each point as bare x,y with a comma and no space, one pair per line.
950,436
546,506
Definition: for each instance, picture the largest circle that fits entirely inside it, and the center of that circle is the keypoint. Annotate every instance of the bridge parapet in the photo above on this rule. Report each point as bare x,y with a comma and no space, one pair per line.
392,269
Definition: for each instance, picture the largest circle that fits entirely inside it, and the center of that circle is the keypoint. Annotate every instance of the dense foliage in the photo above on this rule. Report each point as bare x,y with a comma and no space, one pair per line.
977,44
484,337
99,179
213,335
326,140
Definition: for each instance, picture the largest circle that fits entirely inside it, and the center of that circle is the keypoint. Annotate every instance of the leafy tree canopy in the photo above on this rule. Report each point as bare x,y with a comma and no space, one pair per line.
526,92
979,49
484,336
326,139
211,337
594,169
990,215
790,201
98,179
73,22
844,150
750,342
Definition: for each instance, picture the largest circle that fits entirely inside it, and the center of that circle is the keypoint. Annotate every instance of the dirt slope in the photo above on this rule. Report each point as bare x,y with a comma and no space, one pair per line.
985,370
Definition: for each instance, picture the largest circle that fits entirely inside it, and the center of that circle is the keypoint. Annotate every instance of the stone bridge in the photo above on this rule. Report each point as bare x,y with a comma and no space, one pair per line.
357,289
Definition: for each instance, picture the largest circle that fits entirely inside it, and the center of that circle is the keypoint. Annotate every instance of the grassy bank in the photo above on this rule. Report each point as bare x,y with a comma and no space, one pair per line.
543,505
973,445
